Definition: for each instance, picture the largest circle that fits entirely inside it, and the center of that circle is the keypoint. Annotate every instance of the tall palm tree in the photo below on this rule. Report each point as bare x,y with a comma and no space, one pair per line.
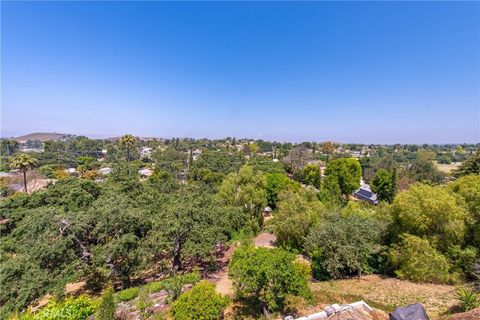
24,162
128,141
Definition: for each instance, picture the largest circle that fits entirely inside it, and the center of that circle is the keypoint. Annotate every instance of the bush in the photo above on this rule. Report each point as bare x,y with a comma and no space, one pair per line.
127,294
468,299
268,276
174,285
202,302
294,218
463,260
343,246
431,212
70,309
143,302
415,259
106,308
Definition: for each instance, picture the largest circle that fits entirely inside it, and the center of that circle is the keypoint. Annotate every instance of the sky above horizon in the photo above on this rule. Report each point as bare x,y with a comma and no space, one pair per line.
364,72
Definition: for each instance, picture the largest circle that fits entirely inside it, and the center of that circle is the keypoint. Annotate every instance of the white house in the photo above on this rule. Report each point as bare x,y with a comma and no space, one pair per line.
146,152
105,171
145,172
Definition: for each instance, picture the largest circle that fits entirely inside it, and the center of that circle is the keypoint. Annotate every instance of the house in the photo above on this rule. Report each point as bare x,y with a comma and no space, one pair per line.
70,170
105,171
364,193
196,154
267,211
146,152
145,172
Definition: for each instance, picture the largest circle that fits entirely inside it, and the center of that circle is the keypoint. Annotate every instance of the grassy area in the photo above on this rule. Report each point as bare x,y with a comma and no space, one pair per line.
386,293
447,168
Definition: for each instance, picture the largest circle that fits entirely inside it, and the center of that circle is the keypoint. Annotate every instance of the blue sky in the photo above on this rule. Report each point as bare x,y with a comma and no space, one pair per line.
350,72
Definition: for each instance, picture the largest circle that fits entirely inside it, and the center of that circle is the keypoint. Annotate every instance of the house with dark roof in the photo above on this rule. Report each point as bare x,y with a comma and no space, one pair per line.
364,193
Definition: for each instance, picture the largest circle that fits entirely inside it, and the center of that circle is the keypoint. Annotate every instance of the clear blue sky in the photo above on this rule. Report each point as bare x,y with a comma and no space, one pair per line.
350,72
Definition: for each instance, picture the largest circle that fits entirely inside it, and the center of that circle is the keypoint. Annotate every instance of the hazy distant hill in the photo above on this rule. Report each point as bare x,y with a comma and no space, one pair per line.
44,136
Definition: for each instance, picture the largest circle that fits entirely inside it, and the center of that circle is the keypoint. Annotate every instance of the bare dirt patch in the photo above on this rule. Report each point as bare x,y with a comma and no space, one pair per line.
222,281
387,293
265,239
447,168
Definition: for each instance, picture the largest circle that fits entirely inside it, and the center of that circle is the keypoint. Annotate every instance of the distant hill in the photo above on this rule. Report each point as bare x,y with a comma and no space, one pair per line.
44,136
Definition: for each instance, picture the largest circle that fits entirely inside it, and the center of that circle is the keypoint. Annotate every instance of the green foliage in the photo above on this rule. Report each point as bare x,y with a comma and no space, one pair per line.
268,276
431,212
468,299
276,183
106,308
143,302
346,172
384,184
469,166
463,260
127,294
425,171
202,302
297,212
468,187
47,170
71,309
175,284
417,260
245,189
311,175
343,246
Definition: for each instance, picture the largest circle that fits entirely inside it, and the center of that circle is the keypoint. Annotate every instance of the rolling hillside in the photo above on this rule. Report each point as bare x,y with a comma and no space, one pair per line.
44,136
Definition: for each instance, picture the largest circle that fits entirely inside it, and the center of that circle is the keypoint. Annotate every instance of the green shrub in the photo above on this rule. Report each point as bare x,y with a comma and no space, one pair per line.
463,260
127,294
202,302
343,246
429,212
71,309
143,302
268,276
415,259
155,286
468,299
175,284
106,308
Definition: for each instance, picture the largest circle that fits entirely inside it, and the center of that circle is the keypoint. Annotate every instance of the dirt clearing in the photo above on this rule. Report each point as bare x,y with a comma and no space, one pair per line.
387,293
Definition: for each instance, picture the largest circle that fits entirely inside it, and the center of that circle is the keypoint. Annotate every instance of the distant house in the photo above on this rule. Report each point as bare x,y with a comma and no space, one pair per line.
356,154
146,152
70,170
364,193
267,211
145,172
5,174
105,171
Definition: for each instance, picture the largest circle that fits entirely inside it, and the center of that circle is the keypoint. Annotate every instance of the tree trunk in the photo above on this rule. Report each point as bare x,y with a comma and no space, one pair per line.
177,259
128,161
25,180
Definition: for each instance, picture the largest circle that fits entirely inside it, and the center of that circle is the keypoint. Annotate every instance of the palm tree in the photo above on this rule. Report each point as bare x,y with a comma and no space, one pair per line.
128,141
23,162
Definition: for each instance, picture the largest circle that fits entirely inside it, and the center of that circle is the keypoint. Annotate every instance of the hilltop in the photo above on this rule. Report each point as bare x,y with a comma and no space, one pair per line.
44,136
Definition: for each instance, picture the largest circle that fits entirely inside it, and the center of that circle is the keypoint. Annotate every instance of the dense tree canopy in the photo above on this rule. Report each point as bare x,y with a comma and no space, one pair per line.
346,172
431,212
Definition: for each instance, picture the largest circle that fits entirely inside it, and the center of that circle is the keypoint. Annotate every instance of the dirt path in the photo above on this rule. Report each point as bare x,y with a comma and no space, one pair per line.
223,283
265,239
